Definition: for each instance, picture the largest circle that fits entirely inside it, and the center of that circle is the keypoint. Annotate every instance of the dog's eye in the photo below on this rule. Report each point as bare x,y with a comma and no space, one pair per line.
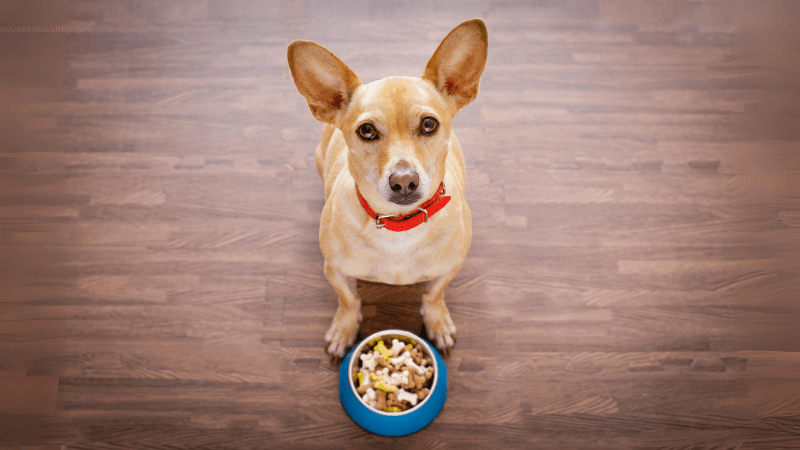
428,126
367,132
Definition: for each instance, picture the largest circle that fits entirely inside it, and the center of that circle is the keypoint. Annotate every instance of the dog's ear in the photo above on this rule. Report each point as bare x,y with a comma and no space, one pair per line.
322,78
456,66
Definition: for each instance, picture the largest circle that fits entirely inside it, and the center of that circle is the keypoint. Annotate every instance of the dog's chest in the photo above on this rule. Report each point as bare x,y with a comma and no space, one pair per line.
397,257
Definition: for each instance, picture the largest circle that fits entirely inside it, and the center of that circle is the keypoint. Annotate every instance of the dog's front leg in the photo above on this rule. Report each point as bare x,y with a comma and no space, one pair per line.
435,315
343,330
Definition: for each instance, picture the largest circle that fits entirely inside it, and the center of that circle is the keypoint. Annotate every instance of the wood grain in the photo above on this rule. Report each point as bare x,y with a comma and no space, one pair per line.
633,174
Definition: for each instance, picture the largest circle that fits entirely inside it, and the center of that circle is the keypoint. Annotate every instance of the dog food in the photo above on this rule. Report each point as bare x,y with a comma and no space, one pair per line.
392,375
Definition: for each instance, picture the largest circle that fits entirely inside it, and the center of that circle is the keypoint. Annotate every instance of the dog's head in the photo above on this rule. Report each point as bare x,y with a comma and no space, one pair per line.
397,129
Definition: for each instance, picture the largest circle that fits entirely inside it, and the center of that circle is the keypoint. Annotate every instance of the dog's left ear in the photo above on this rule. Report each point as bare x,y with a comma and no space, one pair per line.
456,66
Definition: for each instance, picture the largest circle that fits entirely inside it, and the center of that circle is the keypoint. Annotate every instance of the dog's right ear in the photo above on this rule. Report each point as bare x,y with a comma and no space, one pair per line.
322,78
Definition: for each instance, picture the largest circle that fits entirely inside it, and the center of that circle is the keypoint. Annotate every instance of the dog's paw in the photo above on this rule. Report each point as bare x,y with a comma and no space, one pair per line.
341,336
440,327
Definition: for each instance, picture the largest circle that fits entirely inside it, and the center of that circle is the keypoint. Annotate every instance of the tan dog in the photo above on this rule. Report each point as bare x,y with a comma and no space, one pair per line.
387,150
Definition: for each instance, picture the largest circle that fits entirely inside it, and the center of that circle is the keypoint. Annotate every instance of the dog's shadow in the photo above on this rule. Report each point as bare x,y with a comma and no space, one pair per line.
386,306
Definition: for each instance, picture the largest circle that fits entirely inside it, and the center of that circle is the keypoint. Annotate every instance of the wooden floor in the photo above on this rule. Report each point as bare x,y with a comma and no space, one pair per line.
633,174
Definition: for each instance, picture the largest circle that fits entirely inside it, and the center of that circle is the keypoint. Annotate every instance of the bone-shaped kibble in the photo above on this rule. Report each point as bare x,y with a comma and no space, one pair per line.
371,398
391,401
364,382
410,364
382,382
397,347
417,368
398,379
368,361
383,373
382,361
385,386
417,355
403,394
381,347
381,400
399,361
419,380
423,393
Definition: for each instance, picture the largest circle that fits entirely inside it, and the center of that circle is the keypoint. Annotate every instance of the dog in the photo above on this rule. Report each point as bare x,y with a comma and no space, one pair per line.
394,176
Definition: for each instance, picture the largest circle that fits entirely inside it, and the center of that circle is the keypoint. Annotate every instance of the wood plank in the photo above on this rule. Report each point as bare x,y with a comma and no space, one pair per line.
633,174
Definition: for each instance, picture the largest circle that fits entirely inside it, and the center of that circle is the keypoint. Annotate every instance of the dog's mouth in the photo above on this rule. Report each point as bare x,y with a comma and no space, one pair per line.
404,200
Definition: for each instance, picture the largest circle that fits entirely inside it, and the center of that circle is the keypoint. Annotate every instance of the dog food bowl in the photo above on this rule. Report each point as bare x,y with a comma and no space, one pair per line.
386,423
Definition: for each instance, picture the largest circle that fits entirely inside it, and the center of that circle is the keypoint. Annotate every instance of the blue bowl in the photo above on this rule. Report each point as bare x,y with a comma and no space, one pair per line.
385,423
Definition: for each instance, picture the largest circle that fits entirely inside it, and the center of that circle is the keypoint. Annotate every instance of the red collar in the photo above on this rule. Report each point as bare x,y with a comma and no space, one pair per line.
410,220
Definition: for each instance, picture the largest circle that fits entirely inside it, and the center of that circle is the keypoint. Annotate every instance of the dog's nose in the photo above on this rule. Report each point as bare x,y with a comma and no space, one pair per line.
404,183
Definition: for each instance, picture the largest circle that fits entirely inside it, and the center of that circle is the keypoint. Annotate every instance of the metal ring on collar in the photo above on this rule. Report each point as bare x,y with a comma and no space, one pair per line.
378,223
426,213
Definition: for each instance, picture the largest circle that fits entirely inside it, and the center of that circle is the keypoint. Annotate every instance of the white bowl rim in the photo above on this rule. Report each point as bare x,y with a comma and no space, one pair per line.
409,335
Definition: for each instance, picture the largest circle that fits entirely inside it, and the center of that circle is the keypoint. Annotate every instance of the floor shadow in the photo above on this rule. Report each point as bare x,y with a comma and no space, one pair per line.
386,306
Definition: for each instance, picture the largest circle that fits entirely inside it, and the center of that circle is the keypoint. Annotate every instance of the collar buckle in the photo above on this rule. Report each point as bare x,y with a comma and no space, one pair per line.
378,224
